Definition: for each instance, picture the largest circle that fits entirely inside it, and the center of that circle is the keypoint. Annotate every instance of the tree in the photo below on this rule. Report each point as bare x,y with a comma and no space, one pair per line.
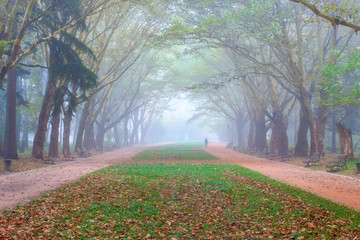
337,18
64,66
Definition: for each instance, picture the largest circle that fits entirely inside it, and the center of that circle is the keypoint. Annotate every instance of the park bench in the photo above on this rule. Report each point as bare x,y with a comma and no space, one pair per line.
46,159
341,162
273,156
82,152
264,153
286,156
68,156
252,150
229,145
315,158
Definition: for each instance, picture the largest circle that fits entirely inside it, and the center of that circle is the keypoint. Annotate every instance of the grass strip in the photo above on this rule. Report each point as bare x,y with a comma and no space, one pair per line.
174,154
179,201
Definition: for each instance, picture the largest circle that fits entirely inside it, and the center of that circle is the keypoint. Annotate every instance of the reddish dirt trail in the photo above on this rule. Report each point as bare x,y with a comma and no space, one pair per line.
21,187
340,189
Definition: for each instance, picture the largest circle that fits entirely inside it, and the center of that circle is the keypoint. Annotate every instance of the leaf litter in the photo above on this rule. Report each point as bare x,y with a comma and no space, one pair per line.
178,202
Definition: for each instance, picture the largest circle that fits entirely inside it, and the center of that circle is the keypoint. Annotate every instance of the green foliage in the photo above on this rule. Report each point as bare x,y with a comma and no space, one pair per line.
341,81
4,46
182,202
347,11
78,73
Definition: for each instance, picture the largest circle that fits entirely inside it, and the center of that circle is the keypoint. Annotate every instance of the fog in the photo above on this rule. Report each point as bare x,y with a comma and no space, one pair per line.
264,75
176,125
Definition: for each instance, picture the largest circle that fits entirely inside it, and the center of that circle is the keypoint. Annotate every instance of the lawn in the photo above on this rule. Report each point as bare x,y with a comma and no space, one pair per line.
142,201
189,144
349,169
174,153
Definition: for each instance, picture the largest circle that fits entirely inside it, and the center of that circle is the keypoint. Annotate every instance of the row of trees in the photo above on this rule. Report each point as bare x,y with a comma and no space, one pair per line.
279,58
90,69
63,56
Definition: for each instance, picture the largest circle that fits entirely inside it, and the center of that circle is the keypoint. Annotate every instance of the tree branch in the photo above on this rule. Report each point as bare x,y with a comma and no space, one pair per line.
333,20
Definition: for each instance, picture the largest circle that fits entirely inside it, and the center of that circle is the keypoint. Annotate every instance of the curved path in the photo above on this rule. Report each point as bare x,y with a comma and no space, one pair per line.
337,188
21,187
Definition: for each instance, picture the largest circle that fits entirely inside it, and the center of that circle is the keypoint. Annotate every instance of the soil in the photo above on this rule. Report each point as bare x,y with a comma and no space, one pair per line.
19,188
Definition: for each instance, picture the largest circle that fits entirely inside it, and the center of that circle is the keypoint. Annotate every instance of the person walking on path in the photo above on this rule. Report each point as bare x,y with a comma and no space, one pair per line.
206,142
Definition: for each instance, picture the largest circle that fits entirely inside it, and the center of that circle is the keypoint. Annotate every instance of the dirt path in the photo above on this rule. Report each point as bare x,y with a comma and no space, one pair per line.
21,187
340,189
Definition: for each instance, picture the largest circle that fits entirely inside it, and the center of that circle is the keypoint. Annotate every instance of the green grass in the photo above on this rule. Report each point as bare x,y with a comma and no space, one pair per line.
349,169
189,144
174,154
179,201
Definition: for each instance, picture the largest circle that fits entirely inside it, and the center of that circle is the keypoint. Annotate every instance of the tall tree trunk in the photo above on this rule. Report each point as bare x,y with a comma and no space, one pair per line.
346,143
82,125
143,135
302,145
60,133
279,140
117,136
320,123
54,137
89,136
1,147
333,133
25,137
47,104
260,141
135,134
126,131
240,122
66,133
251,136
100,137
306,106
18,128
10,151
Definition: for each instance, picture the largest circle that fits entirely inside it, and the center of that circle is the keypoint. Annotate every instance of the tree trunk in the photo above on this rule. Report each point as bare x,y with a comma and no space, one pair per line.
333,133
305,101
89,136
251,133
126,132
302,145
47,104
61,130
66,134
100,137
1,147
240,129
82,125
10,151
117,136
54,137
279,140
346,143
135,133
25,137
18,128
320,122
260,141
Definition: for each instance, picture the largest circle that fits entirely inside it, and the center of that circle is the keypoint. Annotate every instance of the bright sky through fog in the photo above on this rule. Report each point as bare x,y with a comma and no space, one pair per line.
180,109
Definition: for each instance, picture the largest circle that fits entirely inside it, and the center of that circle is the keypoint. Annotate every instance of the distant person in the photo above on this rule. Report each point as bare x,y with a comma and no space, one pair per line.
206,142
